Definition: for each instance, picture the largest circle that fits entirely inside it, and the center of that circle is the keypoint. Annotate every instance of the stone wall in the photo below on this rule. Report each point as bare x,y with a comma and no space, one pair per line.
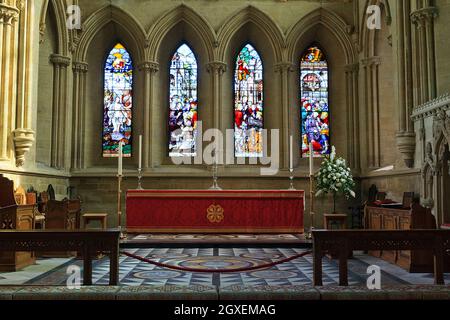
376,78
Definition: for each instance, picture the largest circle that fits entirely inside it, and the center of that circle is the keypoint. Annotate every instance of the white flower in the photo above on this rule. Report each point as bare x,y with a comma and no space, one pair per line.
352,193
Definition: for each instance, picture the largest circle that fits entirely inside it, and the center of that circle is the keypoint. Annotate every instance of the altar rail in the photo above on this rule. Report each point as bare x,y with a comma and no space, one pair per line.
86,243
341,242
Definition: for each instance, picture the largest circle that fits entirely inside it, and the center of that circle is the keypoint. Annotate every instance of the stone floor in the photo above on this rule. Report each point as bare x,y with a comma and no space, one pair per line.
298,272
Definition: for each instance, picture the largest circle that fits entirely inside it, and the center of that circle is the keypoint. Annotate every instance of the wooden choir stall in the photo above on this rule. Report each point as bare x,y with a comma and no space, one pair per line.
402,217
14,216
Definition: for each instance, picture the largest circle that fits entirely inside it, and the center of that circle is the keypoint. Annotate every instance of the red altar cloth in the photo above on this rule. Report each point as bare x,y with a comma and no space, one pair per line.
220,211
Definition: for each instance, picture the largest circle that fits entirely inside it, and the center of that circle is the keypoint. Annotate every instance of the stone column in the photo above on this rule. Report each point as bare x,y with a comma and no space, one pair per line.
423,20
373,123
149,68
8,59
80,70
284,69
217,69
351,76
59,132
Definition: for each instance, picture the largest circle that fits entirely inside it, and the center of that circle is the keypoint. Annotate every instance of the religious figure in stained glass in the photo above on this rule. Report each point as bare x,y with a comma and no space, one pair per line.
314,102
248,103
183,103
118,94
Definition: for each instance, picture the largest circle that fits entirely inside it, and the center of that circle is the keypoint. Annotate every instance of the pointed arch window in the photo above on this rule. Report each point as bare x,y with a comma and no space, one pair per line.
118,102
248,103
183,103
314,102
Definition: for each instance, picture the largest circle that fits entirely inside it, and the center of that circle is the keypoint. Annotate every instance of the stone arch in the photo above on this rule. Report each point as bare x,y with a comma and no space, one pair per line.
367,36
170,20
104,16
334,23
60,19
262,21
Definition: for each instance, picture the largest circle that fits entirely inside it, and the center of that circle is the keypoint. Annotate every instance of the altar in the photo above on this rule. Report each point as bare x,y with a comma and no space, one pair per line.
215,211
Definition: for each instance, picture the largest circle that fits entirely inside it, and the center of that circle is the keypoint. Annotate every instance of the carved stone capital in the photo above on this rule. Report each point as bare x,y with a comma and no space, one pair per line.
8,14
371,61
80,67
284,66
60,60
406,144
148,66
425,15
353,67
216,67
23,141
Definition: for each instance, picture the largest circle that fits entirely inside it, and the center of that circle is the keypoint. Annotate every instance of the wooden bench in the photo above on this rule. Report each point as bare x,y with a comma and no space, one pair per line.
342,242
86,243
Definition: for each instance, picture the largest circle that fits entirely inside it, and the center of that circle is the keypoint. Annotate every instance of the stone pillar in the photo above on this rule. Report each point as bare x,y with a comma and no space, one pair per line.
284,68
8,60
423,20
351,76
217,69
80,70
372,102
149,68
59,132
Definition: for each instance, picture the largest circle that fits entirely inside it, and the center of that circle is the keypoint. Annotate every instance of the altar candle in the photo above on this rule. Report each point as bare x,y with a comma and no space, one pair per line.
120,158
291,154
140,151
311,164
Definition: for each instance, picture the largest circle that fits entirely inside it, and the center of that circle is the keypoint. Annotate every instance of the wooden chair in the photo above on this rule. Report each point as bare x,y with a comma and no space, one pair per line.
62,215
381,196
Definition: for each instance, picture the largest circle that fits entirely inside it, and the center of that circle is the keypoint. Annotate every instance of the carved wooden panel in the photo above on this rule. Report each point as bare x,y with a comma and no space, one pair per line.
400,219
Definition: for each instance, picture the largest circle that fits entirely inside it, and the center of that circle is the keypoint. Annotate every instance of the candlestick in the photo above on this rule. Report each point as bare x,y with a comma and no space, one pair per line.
119,205
291,154
119,170
140,151
311,161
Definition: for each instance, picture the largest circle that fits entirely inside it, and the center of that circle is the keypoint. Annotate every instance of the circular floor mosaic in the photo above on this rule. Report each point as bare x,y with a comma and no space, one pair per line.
212,262
261,255
274,274
157,274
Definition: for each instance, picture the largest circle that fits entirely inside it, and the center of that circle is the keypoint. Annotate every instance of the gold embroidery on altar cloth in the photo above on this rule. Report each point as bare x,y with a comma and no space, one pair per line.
214,213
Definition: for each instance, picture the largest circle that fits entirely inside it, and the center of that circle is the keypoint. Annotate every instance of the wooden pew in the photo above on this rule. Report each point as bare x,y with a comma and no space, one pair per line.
85,242
344,241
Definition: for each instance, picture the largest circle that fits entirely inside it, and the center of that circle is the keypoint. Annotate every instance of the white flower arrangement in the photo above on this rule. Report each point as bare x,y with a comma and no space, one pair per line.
334,177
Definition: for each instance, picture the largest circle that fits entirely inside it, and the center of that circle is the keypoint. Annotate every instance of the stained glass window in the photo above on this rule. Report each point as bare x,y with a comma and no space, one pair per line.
183,103
117,110
248,103
314,102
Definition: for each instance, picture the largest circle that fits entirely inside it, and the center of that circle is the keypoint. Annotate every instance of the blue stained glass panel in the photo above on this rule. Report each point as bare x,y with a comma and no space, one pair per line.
314,103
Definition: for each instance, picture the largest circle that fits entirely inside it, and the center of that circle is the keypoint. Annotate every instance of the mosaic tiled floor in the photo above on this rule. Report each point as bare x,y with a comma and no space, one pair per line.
297,272
256,237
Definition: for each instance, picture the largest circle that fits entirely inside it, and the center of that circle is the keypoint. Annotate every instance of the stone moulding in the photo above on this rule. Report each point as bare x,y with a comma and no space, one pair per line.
23,141
431,107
